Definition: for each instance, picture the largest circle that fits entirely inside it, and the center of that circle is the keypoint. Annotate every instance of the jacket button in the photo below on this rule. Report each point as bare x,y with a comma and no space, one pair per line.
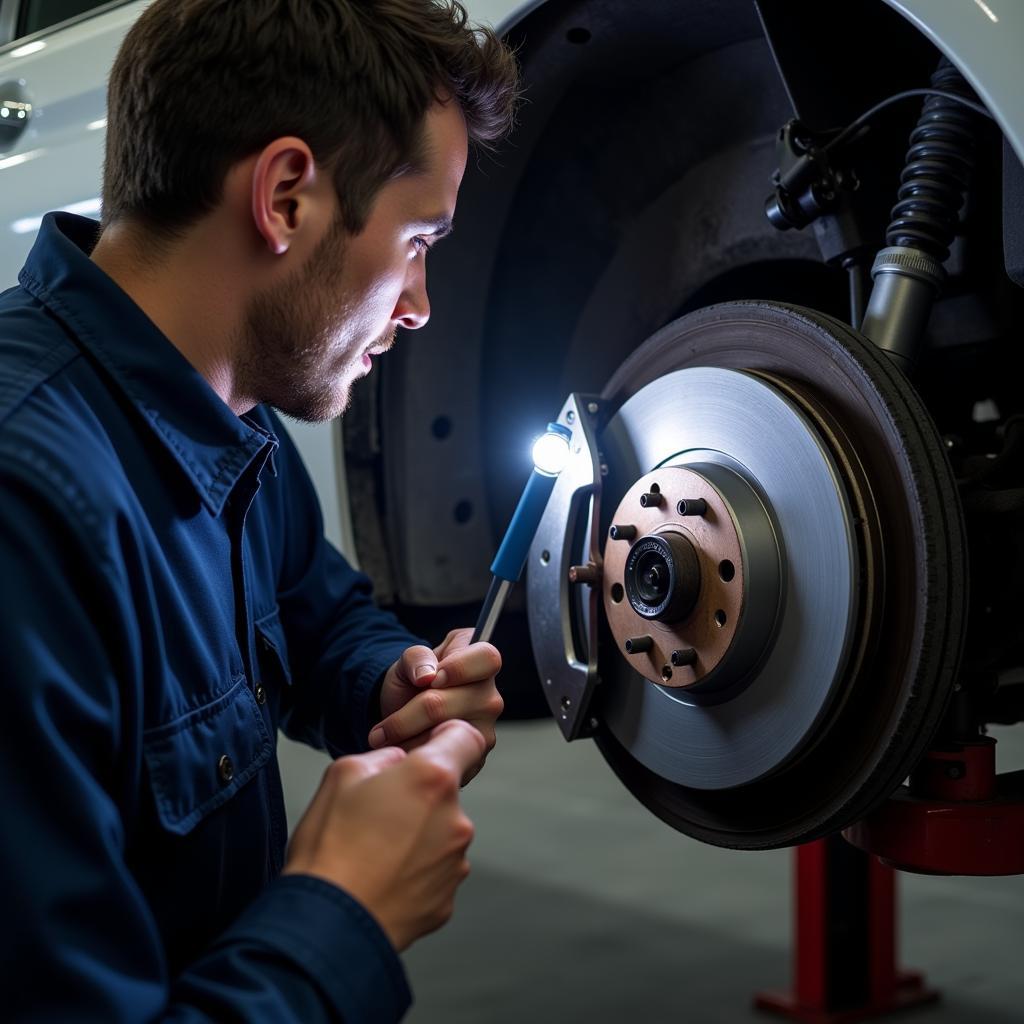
261,694
226,769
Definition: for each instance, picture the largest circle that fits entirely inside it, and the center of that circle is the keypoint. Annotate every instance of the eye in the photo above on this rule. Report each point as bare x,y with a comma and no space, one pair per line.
421,245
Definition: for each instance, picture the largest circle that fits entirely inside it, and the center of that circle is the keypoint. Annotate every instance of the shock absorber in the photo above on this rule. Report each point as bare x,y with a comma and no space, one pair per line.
908,273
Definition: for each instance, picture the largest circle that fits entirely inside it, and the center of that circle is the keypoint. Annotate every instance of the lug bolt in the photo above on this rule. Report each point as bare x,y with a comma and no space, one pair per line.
638,644
622,532
589,574
692,507
651,500
686,656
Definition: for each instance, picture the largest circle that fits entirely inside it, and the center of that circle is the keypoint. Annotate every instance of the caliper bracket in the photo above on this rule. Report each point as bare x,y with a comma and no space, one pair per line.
562,596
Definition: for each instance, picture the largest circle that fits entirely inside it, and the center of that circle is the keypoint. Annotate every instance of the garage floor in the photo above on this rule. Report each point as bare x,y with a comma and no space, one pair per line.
584,907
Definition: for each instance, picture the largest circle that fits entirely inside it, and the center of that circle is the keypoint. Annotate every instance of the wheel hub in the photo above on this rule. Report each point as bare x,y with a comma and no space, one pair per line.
678,629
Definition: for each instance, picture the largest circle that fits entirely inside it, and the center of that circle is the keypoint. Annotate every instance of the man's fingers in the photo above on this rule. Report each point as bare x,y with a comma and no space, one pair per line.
468,665
359,767
418,665
456,746
431,708
455,640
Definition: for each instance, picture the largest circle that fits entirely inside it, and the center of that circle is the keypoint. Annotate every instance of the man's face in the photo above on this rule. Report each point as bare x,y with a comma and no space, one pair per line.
308,340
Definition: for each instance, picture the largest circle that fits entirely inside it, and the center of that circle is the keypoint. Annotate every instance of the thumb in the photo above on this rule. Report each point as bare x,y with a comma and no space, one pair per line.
418,666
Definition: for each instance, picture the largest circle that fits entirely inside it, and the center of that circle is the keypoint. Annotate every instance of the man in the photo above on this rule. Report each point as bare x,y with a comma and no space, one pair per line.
276,172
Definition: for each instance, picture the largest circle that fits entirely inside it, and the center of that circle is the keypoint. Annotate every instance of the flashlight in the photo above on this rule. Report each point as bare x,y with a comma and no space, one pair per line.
550,454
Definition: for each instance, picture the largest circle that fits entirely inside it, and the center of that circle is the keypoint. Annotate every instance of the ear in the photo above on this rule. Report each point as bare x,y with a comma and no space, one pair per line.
281,178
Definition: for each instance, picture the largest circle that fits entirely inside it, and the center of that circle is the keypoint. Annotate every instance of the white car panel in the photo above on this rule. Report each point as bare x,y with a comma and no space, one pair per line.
58,161
985,40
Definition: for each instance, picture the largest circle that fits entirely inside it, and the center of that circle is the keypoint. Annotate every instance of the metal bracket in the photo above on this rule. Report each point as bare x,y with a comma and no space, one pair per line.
563,614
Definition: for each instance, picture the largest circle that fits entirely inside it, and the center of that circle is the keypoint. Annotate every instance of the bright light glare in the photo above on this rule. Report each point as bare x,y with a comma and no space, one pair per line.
989,13
95,126
550,454
20,158
28,49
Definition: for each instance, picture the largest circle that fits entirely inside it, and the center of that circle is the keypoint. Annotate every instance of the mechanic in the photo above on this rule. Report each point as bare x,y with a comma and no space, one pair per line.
276,172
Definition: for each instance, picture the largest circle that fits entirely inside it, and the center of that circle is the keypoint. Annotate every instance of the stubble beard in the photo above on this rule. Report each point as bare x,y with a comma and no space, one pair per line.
291,356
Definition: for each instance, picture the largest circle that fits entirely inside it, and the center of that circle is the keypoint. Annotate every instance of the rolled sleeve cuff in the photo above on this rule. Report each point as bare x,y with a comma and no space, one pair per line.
333,939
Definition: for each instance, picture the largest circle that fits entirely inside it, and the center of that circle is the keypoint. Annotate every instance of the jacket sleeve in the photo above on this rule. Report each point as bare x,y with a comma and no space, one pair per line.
79,941
340,642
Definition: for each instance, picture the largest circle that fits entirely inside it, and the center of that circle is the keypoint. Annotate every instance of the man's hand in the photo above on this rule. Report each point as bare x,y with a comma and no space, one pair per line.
387,828
426,687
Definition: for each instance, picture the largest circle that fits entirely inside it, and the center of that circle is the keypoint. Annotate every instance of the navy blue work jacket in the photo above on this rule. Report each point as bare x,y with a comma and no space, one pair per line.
167,601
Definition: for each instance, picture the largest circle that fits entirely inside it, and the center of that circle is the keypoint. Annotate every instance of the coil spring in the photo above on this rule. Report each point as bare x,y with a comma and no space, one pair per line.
938,168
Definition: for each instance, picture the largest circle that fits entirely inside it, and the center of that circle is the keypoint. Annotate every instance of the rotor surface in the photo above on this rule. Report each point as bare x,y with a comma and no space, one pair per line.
732,421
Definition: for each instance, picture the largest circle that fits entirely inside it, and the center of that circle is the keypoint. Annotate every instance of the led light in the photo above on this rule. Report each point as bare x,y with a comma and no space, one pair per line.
28,49
550,453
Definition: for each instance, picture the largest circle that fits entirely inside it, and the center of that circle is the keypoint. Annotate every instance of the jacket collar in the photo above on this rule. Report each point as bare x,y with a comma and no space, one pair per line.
212,445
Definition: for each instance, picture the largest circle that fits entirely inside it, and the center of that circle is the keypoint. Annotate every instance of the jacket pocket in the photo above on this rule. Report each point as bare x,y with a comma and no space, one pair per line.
199,761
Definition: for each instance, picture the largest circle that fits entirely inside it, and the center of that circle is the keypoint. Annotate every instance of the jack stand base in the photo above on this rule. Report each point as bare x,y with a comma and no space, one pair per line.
910,991
845,962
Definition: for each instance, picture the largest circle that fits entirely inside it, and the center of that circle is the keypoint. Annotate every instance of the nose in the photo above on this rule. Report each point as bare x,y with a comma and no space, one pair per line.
413,309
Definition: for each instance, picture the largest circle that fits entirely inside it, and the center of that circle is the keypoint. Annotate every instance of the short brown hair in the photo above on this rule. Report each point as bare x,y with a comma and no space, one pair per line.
200,84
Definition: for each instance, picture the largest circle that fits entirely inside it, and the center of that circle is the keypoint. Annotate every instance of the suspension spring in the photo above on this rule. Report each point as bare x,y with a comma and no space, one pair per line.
938,168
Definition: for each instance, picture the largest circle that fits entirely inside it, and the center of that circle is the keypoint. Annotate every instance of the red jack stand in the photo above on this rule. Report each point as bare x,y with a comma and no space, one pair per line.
957,817
845,941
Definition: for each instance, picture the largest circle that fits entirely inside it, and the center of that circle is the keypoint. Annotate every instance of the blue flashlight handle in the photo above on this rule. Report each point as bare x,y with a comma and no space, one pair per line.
511,557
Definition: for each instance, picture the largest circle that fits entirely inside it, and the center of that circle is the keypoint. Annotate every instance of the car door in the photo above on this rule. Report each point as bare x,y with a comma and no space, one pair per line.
55,56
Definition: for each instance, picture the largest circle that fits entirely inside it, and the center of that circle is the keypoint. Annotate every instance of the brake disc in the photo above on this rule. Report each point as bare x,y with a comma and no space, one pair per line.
777,602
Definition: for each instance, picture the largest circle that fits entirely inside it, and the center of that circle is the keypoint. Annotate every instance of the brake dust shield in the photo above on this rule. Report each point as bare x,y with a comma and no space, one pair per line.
769,563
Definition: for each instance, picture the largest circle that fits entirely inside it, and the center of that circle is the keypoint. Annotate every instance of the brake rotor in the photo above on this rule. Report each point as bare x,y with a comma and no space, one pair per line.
743,717
772,667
